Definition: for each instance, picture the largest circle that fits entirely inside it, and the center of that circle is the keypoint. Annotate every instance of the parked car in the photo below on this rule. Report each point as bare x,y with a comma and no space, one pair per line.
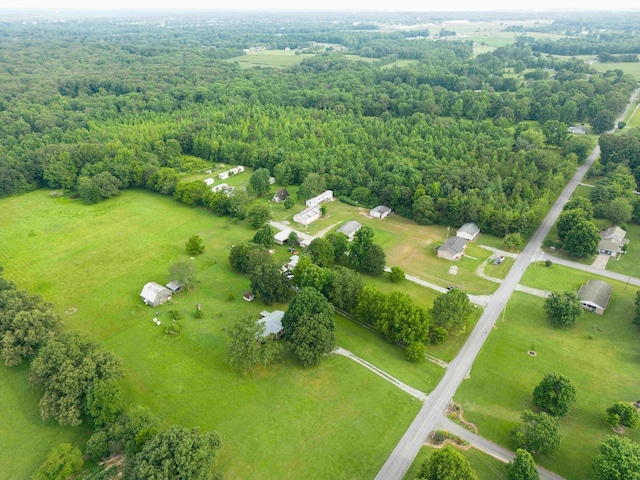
498,260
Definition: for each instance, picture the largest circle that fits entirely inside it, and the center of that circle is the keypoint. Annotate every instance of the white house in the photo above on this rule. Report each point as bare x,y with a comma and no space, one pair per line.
379,212
272,322
154,294
232,171
209,181
594,296
307,216
281,236
220,188
468,231
326,196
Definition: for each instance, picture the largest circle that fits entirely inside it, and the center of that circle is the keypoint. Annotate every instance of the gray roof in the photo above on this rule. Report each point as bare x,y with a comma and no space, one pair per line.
381,209
272,322
579,130
613,233
454,245
596,292
350,227
469,228
151,290
174,285
609,245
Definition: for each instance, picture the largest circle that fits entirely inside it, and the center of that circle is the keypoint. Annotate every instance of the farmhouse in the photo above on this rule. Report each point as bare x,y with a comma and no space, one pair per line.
379,212
281,237
209,181
272,323
220,188
612,241
468,231
350,228
175,286
281,195
232,171
326,196
452,249
154,294
581,130
595,295
307,216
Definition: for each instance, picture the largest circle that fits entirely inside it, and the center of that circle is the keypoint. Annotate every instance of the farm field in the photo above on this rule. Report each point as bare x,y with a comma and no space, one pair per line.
487,467
91,262
599,355
270,58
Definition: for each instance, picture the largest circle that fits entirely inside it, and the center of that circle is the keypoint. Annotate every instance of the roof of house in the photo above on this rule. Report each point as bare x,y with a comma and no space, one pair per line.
272,322
613,233
174,285
381,209
307,213
596,292
609,245
580,129
350,227
454,245
282,194
152,289
282,235
469,228
293,261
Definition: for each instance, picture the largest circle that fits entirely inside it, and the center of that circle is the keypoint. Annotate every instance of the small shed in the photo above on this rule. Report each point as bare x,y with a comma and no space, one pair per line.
307,216
594,296
380,212
272,323
281,195
281,237
154,294
209,181
350,228
468,231
248,296
175,286
452,249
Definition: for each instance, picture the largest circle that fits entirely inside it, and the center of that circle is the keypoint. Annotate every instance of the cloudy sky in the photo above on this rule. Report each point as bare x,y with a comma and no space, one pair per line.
394,5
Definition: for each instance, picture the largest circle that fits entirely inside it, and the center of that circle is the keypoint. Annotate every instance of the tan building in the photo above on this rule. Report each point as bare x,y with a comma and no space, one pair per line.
452,249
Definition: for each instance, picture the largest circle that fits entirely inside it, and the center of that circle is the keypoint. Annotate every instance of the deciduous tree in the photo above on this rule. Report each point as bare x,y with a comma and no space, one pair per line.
555,394
617,458
523,467
194,245
104,402
259,181
245,257
258,215
563,309
268,281
396,274
321,252
343,288
184,272
452,311
248,348
264,236
63,462
538,433
623,413
446,464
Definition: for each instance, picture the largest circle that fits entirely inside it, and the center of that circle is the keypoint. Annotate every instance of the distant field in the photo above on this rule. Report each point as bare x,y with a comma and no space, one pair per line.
600,355
270,58
97,258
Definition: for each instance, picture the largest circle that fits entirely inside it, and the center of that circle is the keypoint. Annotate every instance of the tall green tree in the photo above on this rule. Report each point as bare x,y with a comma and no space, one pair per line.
452,311
268,281
321,252
104,402
184,272
194,245
582,203
258,215
364,255
569,219
264,236
259,181
623,413
563,309
309,326
522,467
245,257
247,348
619,211
24,332
555,394
340,246
446,464
175,453
343,288
617,458
538,433
63,462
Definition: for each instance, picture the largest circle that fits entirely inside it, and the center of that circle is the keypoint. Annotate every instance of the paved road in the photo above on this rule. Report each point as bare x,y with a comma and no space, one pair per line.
432,410
596,271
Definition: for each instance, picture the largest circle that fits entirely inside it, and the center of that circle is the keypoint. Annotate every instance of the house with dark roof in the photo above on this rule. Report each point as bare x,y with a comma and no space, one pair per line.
350,228
468,231
281,195
452,249
154,294
613,241
594,296
380,212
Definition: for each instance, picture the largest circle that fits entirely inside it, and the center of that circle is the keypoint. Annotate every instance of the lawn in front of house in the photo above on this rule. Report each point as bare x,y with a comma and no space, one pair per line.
487,467
629,263
337,420
600,355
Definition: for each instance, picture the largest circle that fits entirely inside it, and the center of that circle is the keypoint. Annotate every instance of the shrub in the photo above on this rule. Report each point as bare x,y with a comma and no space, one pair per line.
415,352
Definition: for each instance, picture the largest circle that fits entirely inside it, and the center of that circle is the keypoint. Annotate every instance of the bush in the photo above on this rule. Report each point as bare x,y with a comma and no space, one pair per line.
396,274
548,263
415,352
438,335
98,446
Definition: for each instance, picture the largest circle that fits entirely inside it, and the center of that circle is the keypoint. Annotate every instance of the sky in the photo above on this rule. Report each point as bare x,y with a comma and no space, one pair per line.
302,5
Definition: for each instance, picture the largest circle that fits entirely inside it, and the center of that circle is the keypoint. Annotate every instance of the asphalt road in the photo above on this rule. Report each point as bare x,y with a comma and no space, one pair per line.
432,410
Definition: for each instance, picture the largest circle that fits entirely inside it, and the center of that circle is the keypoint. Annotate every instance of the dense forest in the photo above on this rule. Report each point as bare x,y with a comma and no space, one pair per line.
94,106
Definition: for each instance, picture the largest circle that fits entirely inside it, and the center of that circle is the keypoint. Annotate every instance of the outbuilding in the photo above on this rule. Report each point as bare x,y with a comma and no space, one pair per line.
350,228
380,212
307,216
326,196
452,249
594,296
468,231
281,237
175,286
272,322
154,294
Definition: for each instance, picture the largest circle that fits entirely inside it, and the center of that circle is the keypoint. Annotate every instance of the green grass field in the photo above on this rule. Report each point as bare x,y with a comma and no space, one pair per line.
487,467
629,263
600,355
334,421
270,58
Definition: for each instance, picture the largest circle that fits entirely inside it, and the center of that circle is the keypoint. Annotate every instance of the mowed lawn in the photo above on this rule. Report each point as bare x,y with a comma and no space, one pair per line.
334,421
600,355
487,467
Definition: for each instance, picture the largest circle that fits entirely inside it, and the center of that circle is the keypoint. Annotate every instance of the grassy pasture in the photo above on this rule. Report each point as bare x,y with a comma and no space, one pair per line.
96,258
600,355
270,58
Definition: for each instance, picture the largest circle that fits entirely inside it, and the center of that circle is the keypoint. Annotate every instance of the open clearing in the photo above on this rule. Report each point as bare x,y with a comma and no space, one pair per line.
600,355
279,422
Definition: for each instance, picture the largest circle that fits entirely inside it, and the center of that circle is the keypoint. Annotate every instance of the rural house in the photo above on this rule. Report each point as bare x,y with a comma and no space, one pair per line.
326,196
154,294
281,237
272,323
350,228
468,231
581,130
380,212
281,195
307,216
452,249
232,171
612,241
220,188
594,296
209,181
